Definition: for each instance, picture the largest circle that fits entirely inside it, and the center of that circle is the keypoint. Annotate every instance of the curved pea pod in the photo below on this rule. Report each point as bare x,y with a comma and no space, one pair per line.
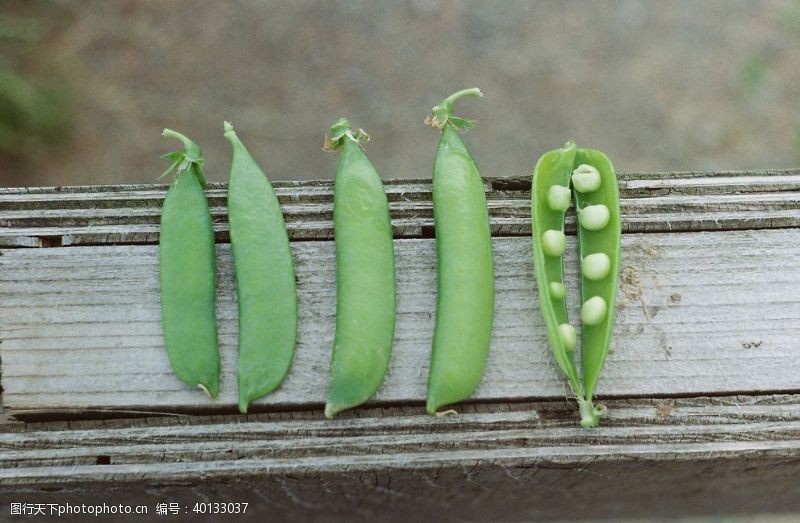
548,209
598,240
365,275
465,284
187,272
265,277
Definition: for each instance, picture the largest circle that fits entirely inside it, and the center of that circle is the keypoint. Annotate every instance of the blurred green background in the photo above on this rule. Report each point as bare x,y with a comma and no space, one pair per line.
87,86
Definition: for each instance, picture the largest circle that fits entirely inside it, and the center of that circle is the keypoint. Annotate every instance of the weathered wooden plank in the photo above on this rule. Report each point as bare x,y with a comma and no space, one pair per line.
500,461
642,489
698,313
148,196
519,207
499,183
631,422
504,223
45,217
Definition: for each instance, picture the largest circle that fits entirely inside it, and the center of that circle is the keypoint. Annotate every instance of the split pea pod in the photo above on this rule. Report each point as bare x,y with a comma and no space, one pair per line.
365,274
465,284
187,272
594,185
265,278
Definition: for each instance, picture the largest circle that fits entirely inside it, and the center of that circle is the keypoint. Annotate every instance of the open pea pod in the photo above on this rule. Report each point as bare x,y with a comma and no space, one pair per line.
591,178
600,255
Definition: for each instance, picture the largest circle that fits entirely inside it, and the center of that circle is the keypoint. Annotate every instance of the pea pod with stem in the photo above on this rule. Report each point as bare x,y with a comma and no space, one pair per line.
265,278
365,274
187,272
594,185
465,275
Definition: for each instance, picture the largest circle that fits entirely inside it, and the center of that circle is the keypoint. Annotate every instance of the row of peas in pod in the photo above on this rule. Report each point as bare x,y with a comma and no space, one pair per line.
365,269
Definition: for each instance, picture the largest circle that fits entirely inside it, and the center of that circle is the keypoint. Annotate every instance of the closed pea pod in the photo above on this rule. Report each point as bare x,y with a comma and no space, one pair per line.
187,272
365,275
597,205
265,277
465,284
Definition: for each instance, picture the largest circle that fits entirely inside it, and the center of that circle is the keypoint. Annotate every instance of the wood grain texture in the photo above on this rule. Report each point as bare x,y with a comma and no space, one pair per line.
698,313
517,461
709,306
662,202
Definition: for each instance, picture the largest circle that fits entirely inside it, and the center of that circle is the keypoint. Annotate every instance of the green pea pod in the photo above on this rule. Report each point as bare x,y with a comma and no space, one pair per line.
553,169
187,271
265,278
465,285
597,337
594,185
365,275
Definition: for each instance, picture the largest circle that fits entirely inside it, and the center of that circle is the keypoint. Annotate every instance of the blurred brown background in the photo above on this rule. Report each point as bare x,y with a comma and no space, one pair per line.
86,87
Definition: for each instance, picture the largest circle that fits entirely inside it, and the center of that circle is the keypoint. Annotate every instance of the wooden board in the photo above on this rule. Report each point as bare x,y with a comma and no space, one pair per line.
701,382
698,313
502,461
660,202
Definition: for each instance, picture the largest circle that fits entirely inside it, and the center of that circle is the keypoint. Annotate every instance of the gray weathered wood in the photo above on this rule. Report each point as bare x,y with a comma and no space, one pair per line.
500,461
698,313
43,217
709,305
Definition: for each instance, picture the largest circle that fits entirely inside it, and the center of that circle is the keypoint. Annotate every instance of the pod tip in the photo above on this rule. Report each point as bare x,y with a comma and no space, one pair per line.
229,131
331,410
210,392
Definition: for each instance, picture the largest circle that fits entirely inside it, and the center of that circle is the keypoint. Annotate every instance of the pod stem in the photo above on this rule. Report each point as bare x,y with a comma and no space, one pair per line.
190,159
341,130
442,114
190,149
590,413
472,91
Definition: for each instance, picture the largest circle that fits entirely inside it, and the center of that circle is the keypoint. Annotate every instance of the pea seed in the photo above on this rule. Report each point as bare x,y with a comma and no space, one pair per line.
568,336
558,198
594,217
596,266
593,310
586,178
557,290
554,242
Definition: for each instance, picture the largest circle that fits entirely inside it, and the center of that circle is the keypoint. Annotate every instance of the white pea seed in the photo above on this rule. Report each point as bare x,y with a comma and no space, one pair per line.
558,198
554,242
596,266
593,310
586,178
557,290
594,217
568,336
